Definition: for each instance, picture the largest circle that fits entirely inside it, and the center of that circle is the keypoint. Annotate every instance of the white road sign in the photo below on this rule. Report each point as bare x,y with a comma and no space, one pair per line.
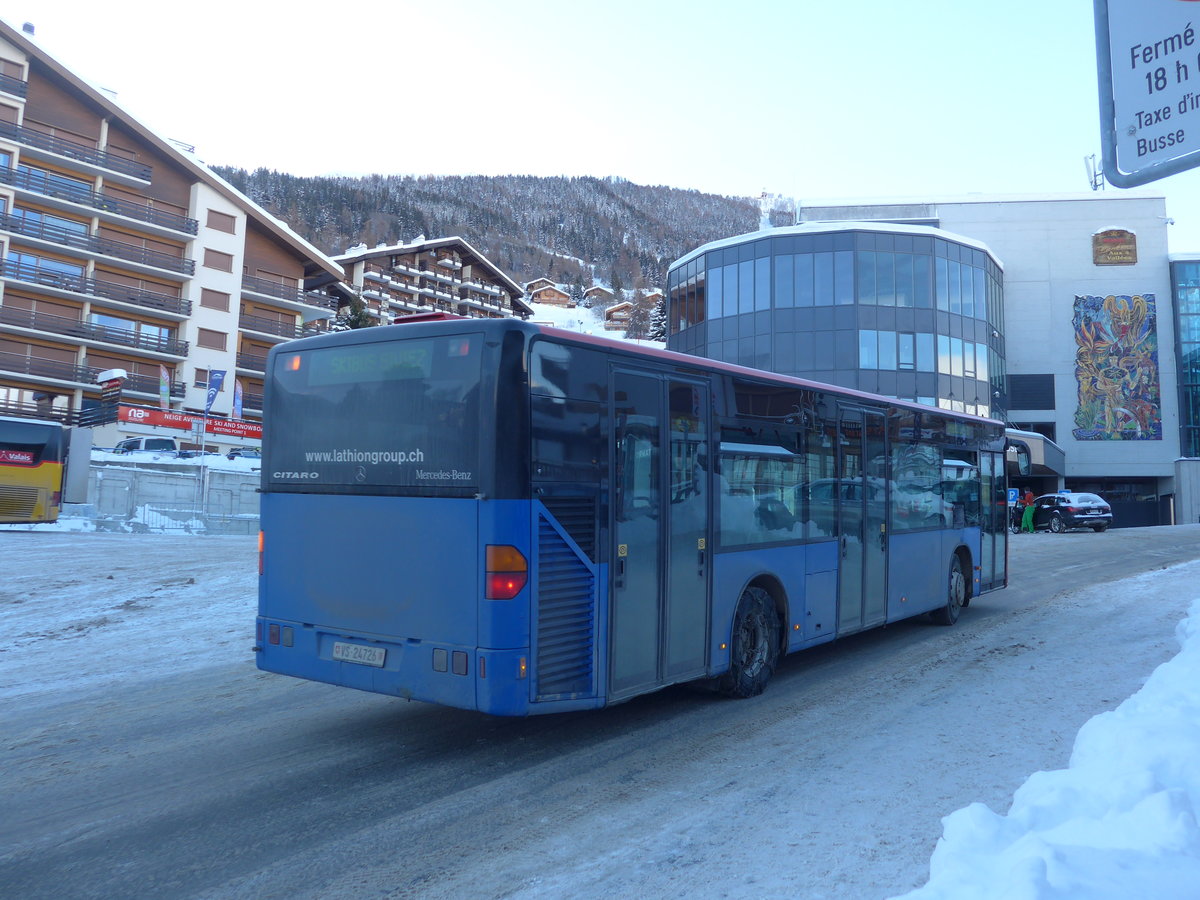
1148,62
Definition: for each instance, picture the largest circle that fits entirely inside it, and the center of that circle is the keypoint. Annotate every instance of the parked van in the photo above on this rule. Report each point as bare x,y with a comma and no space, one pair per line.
152,444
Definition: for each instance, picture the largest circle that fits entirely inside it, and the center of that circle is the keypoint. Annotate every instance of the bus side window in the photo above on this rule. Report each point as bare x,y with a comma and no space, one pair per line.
639,482
760,489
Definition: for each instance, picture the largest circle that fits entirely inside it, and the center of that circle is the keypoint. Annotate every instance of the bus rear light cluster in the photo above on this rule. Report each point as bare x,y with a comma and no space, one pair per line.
507,572
277,635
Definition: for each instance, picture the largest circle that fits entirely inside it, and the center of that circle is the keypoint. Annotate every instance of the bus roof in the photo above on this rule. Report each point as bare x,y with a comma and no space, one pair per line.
23,420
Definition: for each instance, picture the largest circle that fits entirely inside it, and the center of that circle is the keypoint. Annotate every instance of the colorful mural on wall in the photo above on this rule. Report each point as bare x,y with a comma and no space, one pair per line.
1116,367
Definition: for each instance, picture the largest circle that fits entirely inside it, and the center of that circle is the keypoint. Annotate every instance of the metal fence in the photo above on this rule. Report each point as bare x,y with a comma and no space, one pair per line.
148,497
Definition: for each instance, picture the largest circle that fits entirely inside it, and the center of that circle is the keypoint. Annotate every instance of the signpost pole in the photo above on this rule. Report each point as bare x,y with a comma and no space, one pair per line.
198,438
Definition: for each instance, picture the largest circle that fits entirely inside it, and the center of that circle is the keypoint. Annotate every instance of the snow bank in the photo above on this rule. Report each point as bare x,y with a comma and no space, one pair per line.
1119,822
212,461
584,321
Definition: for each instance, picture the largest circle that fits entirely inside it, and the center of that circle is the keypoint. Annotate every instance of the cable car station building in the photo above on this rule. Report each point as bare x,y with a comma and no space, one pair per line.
1062,315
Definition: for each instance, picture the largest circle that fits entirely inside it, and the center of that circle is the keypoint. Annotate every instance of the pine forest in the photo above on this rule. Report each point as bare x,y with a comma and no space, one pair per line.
576,231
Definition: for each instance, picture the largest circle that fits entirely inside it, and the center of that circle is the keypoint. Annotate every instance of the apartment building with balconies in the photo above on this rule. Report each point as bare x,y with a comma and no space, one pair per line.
442,275
120,250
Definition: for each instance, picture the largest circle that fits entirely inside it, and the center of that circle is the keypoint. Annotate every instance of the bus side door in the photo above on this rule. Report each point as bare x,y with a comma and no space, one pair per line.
862,520
659,567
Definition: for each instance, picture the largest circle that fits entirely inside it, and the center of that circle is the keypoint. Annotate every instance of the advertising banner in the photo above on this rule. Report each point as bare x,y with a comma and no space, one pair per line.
164,387
142,415
215,378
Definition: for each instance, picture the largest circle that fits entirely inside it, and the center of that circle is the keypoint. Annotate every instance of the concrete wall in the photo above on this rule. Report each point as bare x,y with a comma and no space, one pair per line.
1187,491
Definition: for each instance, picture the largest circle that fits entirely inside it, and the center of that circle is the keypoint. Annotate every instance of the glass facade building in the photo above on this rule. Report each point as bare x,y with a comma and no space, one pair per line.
906,311
1185,279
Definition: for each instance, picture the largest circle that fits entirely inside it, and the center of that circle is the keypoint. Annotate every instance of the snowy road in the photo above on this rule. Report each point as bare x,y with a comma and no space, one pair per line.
144,755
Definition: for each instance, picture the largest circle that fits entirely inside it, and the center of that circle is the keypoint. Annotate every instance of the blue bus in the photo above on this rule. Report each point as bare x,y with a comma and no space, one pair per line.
499,516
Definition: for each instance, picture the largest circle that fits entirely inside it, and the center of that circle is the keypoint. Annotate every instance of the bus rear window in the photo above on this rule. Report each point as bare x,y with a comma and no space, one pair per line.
387,414
29,443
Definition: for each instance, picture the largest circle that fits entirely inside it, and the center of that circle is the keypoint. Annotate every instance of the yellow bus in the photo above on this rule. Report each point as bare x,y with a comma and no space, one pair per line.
32,464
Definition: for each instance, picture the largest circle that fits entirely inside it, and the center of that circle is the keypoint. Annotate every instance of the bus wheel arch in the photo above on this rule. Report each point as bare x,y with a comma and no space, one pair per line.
957,587
756,639
964,555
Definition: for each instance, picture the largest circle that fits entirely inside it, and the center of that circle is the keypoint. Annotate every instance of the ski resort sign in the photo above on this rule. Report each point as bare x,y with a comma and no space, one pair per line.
1148,63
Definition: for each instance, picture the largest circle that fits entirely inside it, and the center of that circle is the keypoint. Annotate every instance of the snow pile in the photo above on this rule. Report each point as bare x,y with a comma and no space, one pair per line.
211,461
1120,822
582,321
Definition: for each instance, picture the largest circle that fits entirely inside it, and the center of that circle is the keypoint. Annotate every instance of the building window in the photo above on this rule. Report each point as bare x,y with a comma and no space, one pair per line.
211,340
55,183
160,333
887,351
1031,392
111,322
214,299
878,350
29,266
55,228
868,354
215,259
201,381
925,357
220,221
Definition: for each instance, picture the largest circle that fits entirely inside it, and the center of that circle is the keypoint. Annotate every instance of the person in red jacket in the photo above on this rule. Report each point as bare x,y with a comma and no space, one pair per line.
1027,515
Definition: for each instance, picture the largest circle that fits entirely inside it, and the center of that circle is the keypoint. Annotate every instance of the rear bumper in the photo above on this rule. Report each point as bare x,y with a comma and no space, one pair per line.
1088,521
490,681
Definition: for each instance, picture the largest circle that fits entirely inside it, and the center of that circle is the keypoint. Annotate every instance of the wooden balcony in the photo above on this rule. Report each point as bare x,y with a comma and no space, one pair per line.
61,325
39,140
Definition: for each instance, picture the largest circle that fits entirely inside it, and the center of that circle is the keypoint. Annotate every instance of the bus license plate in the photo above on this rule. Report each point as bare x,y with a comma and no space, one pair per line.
357,653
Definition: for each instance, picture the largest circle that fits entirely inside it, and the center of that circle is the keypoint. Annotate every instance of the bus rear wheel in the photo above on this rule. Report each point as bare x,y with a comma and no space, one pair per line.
956,594
754,650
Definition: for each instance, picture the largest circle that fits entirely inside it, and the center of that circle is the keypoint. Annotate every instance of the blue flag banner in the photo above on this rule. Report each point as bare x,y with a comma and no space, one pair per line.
237,398
215,378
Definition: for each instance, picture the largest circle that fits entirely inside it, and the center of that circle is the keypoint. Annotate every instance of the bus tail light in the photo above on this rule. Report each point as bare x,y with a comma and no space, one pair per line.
260,553
507,571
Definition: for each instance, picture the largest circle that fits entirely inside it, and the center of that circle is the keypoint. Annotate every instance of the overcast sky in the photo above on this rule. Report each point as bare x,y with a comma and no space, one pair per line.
859,99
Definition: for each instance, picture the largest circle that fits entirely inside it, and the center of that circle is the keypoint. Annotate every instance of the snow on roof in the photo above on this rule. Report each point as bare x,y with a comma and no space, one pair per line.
359,252
1093,196
832,226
